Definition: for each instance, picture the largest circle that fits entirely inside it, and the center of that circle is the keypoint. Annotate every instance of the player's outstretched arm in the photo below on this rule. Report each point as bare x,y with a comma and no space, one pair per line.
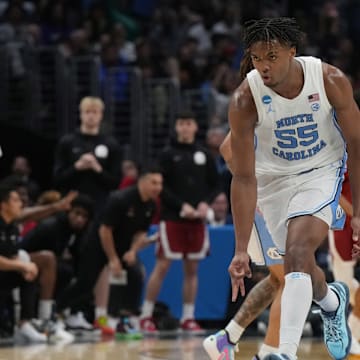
242,120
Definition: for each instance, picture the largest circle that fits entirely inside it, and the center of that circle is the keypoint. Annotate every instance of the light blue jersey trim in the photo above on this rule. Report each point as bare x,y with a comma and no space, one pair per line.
268,248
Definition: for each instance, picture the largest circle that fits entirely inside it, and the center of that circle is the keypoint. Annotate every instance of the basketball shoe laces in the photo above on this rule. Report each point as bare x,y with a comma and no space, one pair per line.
332,326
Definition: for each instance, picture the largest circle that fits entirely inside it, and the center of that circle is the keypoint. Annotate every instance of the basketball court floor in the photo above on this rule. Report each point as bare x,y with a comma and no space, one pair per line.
180,348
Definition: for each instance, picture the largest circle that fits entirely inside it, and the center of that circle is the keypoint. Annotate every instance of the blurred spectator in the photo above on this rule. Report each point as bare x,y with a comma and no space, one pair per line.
220,215
164,31
130,173
28,7
115,83
77,44
223,49
55,25
114,76
88,160
229,23
223,84
110,57
17,270
151,60
96,22
344,58
20,268
190,183
214,138
351,12
115,241
21,171
187,68
126,49
14,34
194,27
14,26
62,234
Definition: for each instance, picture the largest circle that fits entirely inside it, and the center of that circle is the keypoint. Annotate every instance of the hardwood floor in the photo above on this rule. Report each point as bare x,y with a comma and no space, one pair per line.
147,349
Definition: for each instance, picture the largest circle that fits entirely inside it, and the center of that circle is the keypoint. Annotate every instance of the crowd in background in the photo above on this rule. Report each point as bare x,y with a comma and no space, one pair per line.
196,43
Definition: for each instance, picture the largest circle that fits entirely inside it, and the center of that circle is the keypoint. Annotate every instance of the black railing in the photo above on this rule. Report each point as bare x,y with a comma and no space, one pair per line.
40,90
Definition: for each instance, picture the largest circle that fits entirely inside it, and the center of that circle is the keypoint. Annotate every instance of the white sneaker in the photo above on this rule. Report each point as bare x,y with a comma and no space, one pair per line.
78,322
28,333
59,334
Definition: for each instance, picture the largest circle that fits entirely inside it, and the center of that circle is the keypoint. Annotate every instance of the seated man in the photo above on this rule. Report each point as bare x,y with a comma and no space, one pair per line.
62,234
43,260
16,268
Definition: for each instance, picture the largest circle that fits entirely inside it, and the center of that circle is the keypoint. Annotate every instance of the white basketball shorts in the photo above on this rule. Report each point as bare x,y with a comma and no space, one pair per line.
314,192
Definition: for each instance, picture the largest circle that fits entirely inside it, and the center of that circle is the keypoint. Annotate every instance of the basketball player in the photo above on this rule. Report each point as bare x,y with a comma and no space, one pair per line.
298,109
269,289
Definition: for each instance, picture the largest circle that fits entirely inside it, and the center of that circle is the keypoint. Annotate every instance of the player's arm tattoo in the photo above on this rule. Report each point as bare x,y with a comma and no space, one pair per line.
258,299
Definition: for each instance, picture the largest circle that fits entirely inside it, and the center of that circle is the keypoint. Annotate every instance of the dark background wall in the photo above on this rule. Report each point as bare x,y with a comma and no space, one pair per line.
38,149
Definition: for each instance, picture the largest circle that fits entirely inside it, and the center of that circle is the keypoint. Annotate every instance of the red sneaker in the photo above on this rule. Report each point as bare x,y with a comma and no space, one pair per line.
147,326
101,324
192,327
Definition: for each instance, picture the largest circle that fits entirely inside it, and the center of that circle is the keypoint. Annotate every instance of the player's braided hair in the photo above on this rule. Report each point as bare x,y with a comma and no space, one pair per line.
285,30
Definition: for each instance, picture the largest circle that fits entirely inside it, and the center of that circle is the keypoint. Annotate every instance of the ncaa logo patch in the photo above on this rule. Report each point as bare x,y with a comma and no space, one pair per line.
315,107
266,99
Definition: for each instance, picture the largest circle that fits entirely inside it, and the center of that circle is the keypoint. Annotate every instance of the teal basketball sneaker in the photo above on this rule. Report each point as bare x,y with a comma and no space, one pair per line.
337,334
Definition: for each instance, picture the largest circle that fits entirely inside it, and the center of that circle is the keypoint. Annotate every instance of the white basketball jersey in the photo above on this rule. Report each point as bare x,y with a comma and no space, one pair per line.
299,134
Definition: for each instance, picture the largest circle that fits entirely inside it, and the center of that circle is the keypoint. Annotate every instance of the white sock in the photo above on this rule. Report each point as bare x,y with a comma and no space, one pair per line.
266,350
330,302
147,309
100,312
234,330
45,309
295,304
188,311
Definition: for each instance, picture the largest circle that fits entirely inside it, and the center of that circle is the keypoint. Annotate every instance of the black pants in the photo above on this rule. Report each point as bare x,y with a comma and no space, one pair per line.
80,292
126,299
10,280
65,272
